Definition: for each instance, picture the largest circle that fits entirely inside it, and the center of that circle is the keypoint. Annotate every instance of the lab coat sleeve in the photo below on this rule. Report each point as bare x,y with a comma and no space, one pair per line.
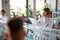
51,23
40,21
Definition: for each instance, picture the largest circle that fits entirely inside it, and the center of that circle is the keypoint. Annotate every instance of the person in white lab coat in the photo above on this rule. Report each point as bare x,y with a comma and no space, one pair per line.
4,18
3,27
46,20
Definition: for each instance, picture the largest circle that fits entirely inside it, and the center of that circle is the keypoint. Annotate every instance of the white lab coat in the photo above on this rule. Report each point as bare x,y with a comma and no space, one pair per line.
4,19
3,26
47,22
4,22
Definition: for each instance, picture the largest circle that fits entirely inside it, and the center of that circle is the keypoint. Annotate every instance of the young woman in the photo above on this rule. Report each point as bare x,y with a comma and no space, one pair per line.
46,20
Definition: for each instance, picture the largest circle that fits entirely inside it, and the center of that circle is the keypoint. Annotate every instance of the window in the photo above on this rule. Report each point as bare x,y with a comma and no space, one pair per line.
17,7
30,7
39,6
58,5
52,5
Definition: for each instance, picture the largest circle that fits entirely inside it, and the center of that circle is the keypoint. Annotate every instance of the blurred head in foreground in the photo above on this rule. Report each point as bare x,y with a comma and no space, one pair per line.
15,29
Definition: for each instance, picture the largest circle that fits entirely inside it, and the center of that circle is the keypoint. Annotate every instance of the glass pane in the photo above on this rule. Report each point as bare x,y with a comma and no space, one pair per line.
52,4
39,6
17,7
58,5
30,7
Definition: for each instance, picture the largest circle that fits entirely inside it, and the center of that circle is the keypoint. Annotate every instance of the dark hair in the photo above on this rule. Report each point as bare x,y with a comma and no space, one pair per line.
15,25
47,10
3,10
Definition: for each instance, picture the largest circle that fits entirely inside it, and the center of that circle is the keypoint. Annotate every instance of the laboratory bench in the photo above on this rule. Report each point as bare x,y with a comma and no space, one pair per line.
39,32
42,33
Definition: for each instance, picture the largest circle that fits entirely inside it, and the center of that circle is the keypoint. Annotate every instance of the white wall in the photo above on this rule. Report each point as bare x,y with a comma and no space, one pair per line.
0,4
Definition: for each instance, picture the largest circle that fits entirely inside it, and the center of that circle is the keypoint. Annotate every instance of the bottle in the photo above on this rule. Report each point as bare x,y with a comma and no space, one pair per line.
30,35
